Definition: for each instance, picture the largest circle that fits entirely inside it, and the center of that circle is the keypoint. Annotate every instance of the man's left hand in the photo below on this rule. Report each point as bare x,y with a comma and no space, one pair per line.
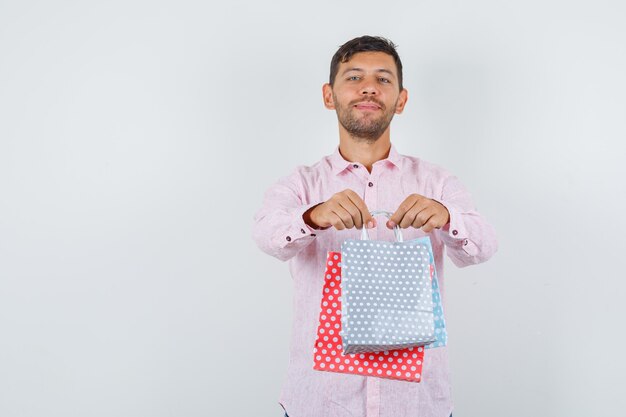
419,211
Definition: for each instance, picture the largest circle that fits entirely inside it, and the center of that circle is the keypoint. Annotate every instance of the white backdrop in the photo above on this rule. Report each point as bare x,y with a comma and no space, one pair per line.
137,139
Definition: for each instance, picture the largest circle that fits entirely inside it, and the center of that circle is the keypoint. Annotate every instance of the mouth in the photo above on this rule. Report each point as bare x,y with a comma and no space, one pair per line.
367,106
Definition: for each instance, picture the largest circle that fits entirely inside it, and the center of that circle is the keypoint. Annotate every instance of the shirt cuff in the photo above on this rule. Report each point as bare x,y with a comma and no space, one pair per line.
454,233
298,229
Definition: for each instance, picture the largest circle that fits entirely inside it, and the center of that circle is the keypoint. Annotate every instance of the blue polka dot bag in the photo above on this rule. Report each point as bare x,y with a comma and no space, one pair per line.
441,334
390,294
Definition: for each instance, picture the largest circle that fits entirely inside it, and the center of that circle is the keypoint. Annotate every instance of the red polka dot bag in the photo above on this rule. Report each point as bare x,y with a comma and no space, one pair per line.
401,364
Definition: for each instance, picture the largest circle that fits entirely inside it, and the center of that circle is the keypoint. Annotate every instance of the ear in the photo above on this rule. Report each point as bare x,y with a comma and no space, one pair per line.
327,95
402,99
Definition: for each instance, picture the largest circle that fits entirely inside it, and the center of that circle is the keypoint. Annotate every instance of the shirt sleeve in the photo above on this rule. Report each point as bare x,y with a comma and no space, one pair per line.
279,228
468,237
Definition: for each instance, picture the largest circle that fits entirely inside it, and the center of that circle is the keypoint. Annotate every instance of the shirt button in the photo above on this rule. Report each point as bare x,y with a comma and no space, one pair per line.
371,184
288,239
355,165
302,230
312,234
455,232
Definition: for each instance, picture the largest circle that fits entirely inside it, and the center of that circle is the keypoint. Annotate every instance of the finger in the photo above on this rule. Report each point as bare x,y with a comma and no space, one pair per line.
430,225
423,218
435,222
355,215
336,221
343,216
409,217
360,205
405,206
412,215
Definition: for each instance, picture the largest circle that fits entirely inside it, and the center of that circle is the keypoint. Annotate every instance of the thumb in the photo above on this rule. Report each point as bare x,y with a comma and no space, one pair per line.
371,223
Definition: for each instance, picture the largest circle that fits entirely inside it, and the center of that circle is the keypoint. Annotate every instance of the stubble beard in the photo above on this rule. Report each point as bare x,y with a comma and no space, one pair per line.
366,128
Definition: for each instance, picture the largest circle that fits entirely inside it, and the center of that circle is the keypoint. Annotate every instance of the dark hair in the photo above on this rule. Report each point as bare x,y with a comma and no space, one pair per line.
364,44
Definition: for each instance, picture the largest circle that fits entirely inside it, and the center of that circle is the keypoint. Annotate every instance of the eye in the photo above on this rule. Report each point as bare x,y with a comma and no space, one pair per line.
353,78
384,80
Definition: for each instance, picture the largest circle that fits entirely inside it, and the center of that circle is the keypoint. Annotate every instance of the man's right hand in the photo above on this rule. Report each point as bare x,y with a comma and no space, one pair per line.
343,210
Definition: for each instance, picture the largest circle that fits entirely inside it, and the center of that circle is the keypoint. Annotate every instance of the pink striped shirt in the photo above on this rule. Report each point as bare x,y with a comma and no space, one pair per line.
280,231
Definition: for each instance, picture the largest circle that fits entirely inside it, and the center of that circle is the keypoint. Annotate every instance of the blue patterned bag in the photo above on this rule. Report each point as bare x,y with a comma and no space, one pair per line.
441,334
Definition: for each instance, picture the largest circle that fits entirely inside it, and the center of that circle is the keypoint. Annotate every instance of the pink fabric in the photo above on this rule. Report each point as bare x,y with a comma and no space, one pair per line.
280,231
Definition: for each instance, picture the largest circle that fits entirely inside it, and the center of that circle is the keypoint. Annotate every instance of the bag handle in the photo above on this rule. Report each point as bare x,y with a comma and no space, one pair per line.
396,229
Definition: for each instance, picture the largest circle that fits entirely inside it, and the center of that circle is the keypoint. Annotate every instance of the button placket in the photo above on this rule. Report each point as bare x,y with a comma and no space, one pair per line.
371,200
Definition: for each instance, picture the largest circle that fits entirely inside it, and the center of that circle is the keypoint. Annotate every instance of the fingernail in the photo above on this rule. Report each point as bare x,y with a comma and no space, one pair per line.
391,224
370,224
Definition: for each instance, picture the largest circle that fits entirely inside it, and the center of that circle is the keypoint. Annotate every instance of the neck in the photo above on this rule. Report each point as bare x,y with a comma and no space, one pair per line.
362,150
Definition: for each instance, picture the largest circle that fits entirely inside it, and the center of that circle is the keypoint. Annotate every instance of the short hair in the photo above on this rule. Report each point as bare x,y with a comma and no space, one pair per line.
364,44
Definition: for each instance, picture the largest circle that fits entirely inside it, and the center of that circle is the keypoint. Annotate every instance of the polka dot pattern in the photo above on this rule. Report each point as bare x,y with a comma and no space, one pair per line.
388,296
402,364
441,335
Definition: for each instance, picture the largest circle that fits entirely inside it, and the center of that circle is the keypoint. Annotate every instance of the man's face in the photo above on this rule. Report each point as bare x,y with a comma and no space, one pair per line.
366,95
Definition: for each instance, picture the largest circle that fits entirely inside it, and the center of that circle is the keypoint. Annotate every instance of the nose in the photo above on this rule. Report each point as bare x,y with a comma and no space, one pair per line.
368,87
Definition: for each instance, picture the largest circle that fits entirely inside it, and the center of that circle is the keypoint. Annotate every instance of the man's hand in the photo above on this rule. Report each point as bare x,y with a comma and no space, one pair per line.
419,211
343,210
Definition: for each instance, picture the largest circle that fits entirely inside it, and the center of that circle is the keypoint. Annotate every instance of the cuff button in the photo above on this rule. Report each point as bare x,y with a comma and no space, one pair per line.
302,230
455,232
465,243
288,238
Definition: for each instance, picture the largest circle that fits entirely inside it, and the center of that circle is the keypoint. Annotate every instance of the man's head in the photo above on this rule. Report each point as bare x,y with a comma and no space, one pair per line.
365,87
364,44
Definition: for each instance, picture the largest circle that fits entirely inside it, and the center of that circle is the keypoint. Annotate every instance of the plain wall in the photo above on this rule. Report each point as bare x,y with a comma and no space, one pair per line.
137,139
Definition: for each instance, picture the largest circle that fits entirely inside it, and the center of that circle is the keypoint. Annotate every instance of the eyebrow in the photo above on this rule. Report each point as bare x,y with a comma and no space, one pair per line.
362,70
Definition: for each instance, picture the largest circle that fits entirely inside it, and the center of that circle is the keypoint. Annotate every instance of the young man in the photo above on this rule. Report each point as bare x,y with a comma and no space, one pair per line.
315,208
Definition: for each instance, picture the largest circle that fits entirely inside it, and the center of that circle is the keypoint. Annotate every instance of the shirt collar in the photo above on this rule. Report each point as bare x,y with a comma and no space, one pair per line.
338,163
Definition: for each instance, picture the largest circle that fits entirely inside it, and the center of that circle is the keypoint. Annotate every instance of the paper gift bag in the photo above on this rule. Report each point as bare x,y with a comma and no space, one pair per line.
402,364
441,334
387,294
